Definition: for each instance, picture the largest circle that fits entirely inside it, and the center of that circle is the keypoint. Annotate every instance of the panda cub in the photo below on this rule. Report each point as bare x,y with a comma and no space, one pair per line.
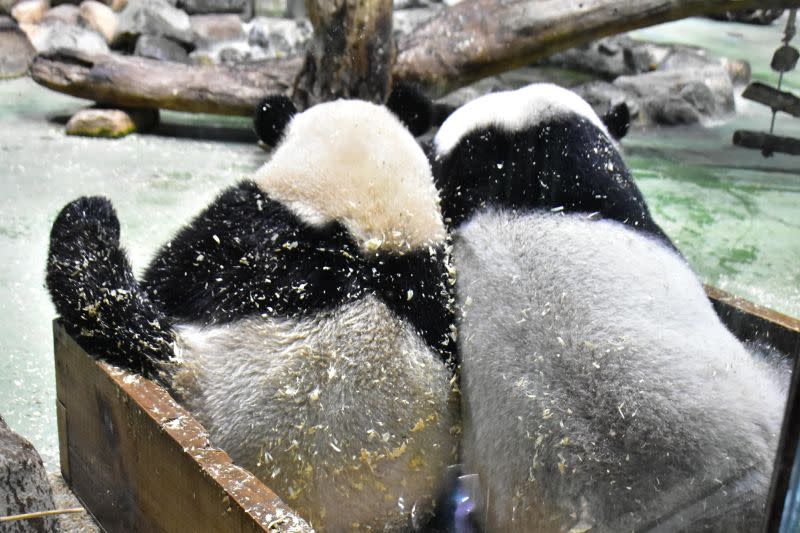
303,316
600,390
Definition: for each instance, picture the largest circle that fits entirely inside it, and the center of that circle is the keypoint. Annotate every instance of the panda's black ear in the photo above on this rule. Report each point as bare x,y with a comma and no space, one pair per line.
271,117
617,120
412,107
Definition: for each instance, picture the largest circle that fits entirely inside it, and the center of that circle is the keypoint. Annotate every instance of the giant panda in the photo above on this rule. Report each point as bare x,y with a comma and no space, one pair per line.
304,316
600,391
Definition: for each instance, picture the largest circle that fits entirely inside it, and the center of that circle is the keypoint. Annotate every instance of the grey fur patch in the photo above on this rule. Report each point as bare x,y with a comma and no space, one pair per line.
599,387
348,415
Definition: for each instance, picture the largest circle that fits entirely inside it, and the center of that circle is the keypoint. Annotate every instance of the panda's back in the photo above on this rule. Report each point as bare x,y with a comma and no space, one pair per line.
345,414
628,394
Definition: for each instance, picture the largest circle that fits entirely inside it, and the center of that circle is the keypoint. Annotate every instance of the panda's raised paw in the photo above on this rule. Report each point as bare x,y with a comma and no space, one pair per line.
90,219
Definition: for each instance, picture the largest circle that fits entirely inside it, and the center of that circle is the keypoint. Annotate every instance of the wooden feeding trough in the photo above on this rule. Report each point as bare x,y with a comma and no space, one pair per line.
141,462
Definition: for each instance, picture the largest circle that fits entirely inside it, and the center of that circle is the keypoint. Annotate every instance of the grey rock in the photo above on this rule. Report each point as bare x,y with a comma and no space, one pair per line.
228,52
66,13
686,58
232,56
670,83
210,29
16,51
611,57
23,484
100,18
29,11
111,123
57,35
280,37
152,17
602,95
671,110
738,69
161,48
700,97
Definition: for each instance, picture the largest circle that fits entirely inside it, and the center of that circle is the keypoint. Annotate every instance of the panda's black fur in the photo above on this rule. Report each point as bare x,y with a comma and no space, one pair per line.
246,255
314,349
565,161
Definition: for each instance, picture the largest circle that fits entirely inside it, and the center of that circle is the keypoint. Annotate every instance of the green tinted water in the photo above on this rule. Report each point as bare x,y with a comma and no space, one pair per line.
735,215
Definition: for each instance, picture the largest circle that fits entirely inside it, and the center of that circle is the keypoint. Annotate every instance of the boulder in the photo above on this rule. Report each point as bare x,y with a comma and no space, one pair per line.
111,123
50,37
23,484
100,18
210,29
280,37
152,17
66,13
602,95
738,70
668,110
16,51
668,85
611,57
682,58
160,48
116,5
30,11
228,53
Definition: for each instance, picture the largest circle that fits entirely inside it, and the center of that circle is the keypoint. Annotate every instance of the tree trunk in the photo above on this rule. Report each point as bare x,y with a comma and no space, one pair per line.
352,52
466,42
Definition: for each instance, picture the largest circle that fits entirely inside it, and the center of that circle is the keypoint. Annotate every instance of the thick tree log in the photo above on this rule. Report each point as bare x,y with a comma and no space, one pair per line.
129,81
478,38
466,42
352,53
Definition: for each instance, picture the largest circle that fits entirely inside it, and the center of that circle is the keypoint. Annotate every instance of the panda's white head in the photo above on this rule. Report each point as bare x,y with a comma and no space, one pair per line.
513,111
352,162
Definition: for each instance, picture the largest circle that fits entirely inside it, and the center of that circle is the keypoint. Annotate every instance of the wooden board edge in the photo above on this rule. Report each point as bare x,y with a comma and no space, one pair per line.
245,503
751,322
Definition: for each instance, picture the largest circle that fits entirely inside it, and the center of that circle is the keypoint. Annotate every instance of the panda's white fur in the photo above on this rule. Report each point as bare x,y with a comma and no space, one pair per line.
512,111
358,407
379,185
600,389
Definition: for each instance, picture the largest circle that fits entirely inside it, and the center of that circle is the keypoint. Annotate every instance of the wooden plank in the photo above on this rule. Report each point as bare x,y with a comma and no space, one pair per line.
766,142
774,98
140,462
750,322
